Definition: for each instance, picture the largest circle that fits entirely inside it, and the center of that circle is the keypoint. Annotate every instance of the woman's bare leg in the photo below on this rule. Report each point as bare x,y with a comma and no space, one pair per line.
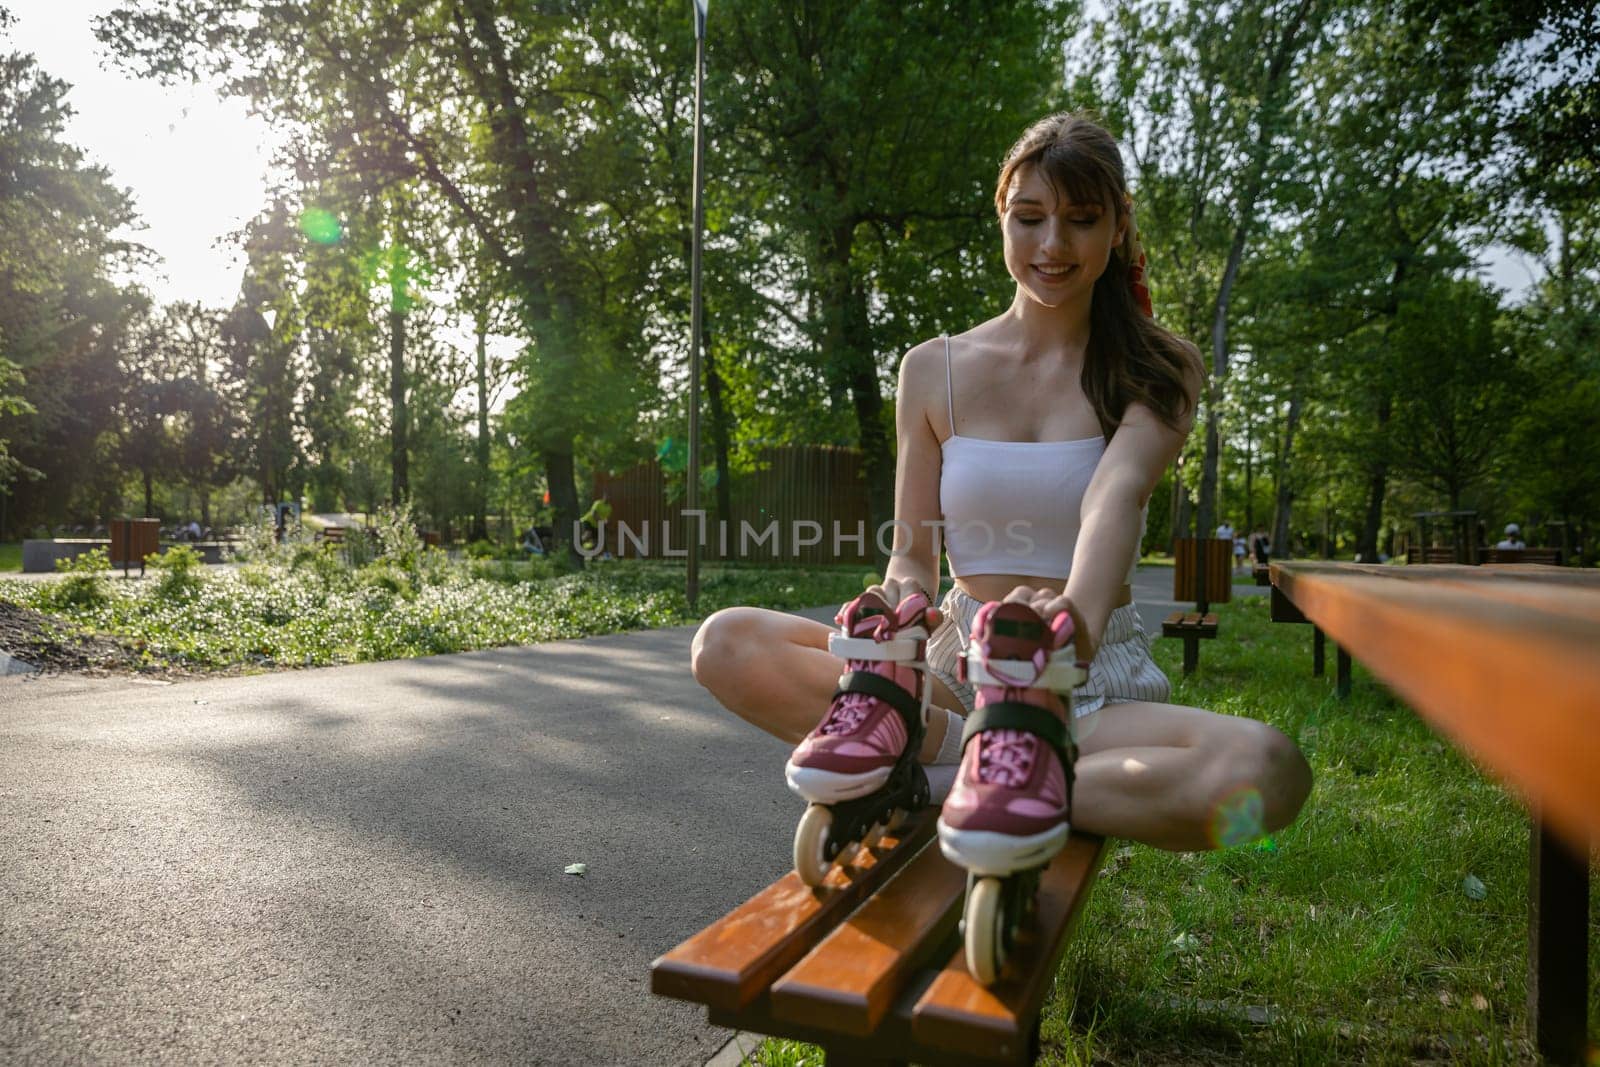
1174,777
1181,778
775,670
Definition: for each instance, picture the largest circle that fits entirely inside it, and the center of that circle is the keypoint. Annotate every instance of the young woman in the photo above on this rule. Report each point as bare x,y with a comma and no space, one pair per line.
1036,438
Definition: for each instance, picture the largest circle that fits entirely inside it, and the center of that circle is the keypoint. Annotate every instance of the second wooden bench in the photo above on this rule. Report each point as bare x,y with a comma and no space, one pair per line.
1192,627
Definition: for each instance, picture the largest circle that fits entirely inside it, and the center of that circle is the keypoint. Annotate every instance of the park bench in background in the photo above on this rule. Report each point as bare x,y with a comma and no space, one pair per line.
1550,557
1192,628
333,535
870,965
1262,574
1501,660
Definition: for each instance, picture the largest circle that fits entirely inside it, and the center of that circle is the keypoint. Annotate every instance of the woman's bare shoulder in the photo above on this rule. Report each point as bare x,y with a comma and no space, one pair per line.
921,388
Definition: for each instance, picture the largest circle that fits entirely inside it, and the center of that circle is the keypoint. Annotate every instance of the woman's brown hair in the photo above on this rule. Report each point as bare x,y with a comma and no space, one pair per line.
1130,359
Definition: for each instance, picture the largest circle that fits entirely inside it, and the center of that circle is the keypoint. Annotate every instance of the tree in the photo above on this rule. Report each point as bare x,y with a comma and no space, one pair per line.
61,314
949,86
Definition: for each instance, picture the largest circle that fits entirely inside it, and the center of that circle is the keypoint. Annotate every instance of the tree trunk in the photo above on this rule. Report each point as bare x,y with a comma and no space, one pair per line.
1249,479
480,517
147,492
1266,112
847,346
719,427
1282,546
1377,488
561,476
399,480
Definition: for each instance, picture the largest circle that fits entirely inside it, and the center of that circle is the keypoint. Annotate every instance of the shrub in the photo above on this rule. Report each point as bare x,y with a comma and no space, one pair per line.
482,549
180,571
398,542
86,583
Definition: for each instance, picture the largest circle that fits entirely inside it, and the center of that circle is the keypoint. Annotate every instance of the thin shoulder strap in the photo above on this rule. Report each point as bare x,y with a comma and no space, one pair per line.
949,390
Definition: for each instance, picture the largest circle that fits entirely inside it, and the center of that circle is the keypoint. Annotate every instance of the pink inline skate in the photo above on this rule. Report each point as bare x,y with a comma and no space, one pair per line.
1008,813
858,769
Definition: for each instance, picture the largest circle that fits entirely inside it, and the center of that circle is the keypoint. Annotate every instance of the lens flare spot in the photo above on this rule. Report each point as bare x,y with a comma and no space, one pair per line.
320,225
1237,819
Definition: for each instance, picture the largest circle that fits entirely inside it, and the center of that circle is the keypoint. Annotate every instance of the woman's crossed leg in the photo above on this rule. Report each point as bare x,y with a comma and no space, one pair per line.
1170,776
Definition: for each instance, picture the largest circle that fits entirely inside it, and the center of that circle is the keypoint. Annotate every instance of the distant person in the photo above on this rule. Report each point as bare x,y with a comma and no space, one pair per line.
1239,550
1513,537
1260,546
192,531
1225,530
531,542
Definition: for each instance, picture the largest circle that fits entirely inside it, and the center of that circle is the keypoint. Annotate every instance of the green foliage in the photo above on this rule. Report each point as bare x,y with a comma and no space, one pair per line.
307,608
180,572
85,587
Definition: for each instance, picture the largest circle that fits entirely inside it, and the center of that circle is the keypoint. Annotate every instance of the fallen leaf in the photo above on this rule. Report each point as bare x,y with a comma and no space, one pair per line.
1186,943
1479,1002
579,869
1444,997
1473,888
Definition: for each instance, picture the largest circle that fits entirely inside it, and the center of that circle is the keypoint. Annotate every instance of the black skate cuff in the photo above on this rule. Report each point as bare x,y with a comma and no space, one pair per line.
891,693
1015,715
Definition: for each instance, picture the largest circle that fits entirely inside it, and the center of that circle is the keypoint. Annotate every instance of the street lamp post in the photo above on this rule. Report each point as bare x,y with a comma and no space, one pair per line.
692,590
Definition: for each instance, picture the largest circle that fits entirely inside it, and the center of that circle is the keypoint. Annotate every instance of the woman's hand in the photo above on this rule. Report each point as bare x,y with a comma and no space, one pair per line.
894,590
1049,603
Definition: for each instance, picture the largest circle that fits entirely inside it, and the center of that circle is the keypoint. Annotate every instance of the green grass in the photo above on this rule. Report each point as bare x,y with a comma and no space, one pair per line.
306,608
1351,933
10,556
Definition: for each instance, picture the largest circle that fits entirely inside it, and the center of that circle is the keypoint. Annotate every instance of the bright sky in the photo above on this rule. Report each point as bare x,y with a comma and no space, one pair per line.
197,164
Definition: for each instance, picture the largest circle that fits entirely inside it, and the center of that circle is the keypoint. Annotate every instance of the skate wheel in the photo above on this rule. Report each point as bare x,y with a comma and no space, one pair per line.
984,924
811,845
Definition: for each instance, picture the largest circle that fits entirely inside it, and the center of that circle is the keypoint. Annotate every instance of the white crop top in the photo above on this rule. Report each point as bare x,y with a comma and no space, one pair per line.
1012,507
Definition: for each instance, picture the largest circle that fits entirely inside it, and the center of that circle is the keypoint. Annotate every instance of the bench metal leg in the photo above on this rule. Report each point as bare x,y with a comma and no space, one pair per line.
1317,657
1558,947
1341,672
1191,654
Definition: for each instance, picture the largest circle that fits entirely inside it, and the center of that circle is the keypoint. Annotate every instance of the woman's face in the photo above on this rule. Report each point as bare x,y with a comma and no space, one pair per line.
1056,249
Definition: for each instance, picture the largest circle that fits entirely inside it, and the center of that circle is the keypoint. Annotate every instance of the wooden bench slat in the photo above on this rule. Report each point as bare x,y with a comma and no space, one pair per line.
959,1014
850,980
891,1042
1512,677
733,961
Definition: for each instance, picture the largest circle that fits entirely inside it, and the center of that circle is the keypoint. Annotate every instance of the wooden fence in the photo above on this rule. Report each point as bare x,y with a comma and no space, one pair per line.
802,504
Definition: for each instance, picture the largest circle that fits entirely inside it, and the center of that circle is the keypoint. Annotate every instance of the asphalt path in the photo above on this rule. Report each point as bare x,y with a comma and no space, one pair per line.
366,864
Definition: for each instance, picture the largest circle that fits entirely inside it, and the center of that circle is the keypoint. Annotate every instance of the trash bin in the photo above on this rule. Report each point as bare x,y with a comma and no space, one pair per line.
1219,570
132,540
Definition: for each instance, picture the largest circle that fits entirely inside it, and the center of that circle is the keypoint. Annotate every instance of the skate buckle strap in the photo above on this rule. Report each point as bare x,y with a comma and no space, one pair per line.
900,649
1015,715
1061,673
876,685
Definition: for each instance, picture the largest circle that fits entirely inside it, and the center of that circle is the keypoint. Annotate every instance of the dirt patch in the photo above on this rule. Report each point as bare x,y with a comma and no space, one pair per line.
51,645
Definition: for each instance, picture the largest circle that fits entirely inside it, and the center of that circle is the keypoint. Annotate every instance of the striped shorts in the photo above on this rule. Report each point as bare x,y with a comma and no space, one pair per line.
1122,670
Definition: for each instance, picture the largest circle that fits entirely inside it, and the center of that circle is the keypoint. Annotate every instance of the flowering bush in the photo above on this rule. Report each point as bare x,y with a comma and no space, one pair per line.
304,606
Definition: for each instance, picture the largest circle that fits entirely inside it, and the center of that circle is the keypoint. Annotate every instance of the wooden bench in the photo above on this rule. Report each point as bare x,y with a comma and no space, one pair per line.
1550,557
1501,660
333,535
870,965
1192,627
